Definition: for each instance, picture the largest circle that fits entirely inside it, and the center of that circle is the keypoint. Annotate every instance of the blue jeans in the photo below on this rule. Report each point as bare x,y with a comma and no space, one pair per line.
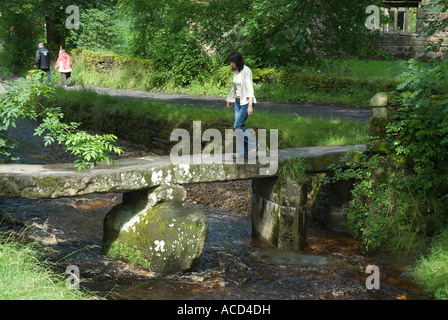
240,119
48,72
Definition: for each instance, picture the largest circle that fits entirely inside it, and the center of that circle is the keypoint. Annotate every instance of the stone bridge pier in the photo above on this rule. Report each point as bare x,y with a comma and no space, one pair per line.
279,212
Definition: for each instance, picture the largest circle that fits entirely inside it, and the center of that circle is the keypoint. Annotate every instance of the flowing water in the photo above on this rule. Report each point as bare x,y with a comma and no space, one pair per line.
72,229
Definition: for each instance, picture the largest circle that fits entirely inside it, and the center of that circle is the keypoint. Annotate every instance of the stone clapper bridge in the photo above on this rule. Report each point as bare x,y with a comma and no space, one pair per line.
151,226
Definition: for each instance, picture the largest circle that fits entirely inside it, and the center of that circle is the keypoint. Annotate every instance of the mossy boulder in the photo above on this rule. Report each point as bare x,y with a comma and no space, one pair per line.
154,229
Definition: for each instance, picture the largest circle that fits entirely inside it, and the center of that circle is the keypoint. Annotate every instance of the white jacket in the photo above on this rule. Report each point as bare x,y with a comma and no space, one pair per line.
247,88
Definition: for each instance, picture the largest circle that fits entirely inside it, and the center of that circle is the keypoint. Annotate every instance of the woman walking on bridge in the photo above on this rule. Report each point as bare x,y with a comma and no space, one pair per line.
241,94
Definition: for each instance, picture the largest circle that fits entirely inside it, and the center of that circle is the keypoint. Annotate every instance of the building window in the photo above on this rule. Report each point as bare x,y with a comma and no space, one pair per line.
403,16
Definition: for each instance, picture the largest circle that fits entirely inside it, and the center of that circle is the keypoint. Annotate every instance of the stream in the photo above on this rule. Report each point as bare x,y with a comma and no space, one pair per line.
72,230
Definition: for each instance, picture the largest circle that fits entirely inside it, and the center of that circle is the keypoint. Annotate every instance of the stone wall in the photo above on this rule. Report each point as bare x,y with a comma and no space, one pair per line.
402,45
101,62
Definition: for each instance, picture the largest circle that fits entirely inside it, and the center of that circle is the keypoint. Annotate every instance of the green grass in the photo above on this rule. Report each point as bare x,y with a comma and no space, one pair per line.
293,131
353,96
432,271
296,131
358,69
362,69
294,169
23,275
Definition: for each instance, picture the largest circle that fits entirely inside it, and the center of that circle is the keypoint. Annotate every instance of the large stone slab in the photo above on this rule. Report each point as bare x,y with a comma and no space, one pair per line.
63,180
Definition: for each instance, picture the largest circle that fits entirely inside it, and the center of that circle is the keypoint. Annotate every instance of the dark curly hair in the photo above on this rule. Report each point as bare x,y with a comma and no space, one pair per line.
236,57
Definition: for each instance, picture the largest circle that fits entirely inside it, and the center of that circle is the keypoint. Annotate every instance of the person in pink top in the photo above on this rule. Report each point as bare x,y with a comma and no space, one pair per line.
64,66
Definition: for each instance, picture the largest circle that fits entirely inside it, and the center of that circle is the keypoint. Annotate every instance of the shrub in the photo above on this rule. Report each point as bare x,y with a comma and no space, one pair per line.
381,213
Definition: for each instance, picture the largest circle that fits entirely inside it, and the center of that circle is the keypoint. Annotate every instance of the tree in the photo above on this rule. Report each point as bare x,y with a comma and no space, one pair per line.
53,12
219,24
98,30
21,29
163,31
298,32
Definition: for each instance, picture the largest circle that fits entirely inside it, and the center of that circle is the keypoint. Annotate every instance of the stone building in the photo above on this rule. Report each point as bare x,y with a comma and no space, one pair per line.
401,37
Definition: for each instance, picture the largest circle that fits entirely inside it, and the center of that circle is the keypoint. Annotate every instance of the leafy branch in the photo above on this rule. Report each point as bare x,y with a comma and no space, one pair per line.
21,100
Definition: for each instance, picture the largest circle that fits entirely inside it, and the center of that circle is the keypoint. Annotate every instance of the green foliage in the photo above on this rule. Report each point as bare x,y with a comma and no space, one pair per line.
294,169
178,36
21,100
286,34
20,43
431,271
7,145
97,30
90,149
44,21
419,131
401,199
161,32
190,61
382,213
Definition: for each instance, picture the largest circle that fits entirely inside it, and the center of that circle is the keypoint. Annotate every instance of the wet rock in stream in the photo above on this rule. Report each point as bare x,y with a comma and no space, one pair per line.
276,257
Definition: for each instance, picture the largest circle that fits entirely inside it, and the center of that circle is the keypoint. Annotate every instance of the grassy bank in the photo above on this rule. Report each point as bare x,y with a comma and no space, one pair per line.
24,275
431,270
143,121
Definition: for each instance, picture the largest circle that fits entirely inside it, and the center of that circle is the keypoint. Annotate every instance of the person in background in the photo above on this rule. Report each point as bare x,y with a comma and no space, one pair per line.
42,61
241,94
64,66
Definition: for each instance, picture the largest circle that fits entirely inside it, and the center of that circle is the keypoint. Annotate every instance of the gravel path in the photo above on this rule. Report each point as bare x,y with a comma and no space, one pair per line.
361,114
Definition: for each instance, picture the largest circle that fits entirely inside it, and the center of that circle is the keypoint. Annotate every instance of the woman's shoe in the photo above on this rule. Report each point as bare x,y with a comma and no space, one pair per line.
238,156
